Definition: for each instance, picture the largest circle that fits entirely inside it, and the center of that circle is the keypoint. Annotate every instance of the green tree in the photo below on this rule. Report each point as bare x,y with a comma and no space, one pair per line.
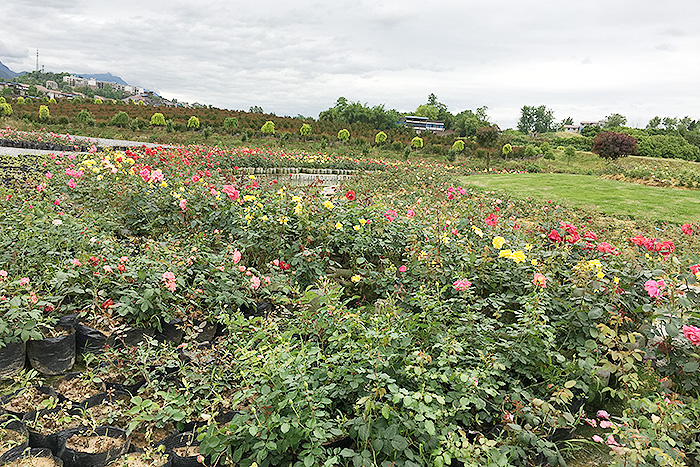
355,112
5,109
20,100
121,119
670,123
33,91
256,109
417,142
567,121
268,128
590,130
458,145
569,152
157,119
193,123
467,122
231,124
427,111
654,123
487,137
85,118
344,135
435,110
614,121
506,149
305,130
380,137
44,114
536,120
610,145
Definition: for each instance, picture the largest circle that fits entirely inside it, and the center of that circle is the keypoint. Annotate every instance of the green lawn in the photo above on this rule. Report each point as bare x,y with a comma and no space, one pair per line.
610,197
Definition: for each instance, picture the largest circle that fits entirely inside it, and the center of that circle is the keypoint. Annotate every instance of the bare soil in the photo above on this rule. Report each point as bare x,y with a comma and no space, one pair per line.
187,451
48,424
93,443
33,462
27,401
78,389
140,459
10,439
143,439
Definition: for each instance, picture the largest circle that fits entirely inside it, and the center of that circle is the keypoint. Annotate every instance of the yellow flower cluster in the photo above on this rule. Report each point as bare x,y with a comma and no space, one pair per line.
517,256
593,265
498,242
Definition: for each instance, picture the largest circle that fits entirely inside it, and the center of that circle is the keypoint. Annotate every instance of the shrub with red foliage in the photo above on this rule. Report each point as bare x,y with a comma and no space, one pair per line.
610,145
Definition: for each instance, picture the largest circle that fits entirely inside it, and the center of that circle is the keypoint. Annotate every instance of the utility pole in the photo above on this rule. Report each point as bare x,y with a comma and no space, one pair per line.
37,59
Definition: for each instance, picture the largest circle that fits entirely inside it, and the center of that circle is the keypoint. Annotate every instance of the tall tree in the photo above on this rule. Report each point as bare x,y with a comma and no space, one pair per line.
614,121
654,123
536,120
487,137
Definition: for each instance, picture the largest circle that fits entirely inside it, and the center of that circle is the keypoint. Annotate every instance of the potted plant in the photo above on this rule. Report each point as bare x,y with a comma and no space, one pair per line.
18,324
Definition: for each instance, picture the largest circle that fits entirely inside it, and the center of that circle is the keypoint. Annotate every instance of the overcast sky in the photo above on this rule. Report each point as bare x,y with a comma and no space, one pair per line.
583,60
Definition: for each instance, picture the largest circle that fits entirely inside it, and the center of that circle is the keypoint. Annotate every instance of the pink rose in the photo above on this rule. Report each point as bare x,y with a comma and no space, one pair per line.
402,268
236,256
692,333
461,285
654,288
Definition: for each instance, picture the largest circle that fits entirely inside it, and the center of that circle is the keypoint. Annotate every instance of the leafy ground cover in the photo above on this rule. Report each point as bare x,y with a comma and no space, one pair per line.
404,320
611,197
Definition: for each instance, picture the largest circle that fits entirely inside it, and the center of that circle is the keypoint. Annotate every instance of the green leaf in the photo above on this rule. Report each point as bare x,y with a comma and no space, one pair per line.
595,313
386,412
430,427
399,443
691,367
284,427
570,384
309,460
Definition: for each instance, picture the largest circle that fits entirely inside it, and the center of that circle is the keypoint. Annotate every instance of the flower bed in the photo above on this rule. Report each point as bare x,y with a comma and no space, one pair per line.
402,319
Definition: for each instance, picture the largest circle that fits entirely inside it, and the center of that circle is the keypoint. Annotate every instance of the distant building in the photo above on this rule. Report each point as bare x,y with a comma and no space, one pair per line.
423,124
582,125
51,85
80,82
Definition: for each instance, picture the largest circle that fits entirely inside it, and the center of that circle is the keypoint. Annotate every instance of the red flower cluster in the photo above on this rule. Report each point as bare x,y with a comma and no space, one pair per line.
492,219
350,195
687,229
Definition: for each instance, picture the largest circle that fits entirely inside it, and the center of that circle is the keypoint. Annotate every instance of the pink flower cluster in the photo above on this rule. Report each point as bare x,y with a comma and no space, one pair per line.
390,215
540,280
491,219
169,279
664,248
461,285
451,192
232,193
654,288
687,229
692,333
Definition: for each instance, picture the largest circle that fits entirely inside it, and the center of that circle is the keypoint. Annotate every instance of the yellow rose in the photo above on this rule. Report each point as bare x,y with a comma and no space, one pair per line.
498,242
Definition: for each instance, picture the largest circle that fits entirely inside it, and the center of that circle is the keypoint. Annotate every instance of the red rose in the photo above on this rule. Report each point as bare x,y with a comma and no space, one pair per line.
350,195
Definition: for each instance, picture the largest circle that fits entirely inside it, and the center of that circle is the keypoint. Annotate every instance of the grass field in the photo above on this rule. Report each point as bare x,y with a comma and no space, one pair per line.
610,197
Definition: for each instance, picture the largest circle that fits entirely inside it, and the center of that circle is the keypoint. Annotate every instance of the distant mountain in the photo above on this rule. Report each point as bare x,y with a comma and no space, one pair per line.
6,73
107,77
